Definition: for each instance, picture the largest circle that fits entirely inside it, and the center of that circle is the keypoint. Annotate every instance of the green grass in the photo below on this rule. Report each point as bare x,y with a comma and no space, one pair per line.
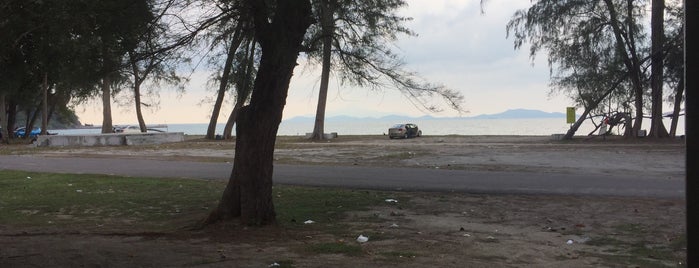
100,201
398,255
322,205
637,253
335,248
36,199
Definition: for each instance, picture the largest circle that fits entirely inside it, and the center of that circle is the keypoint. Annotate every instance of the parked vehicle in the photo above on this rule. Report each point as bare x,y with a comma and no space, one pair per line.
404,131
21,132
128,129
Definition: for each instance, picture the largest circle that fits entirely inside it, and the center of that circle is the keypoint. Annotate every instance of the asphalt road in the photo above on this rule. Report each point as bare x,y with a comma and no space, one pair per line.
408,179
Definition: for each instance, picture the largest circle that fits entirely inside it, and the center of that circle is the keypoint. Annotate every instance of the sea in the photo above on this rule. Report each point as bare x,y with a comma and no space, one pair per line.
429,126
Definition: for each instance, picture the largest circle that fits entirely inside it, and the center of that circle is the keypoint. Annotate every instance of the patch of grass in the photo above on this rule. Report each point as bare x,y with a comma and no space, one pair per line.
398,254
637,253
605,241
324,206
630,228
73,201
284,264
36,199
335,248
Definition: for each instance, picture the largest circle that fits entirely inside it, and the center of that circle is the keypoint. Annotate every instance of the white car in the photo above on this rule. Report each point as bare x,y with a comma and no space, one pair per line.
128,129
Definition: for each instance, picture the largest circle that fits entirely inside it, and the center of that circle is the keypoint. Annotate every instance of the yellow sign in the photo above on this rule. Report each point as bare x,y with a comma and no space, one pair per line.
570,115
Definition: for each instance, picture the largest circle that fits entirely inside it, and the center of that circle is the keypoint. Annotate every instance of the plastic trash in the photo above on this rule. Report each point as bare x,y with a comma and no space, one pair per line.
275,265
79,191
394,225
308,222
362,239
391,200
569,242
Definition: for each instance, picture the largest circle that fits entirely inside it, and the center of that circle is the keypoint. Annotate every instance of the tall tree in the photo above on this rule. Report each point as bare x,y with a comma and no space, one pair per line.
326,10
148,61
352,38
116,27
657,128
41,45
280,29
224,80
674,64
626,32
567,29
243,79
4,134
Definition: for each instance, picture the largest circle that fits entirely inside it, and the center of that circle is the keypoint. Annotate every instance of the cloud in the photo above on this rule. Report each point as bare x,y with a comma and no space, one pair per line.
457,45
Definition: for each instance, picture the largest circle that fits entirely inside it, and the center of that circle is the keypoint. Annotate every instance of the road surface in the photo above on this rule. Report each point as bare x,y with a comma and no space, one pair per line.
381,178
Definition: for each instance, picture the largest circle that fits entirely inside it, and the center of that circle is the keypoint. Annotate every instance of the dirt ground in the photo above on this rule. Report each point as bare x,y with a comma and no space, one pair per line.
427,230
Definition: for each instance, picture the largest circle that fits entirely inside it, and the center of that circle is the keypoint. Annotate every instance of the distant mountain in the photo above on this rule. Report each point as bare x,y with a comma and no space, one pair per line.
509,114
520,113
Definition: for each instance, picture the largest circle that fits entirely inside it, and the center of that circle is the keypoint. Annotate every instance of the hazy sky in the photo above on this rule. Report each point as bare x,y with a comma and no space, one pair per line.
456,46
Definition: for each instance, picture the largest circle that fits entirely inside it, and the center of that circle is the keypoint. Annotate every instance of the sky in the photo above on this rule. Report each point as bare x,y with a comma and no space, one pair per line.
457,46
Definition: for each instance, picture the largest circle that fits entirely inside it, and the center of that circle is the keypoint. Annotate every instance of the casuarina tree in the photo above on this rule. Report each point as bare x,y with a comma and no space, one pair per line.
279,29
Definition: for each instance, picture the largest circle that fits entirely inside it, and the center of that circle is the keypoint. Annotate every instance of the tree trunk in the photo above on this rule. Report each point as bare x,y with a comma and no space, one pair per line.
137,80
328,28
588,108
232,118
11,115
107,126
657,128
248,194
32,116
627,50
139,112
225,78
44,105
676,109
243,89
4,127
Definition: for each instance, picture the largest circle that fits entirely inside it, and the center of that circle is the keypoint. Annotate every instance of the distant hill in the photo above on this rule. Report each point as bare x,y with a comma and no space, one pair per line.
520,113
509,114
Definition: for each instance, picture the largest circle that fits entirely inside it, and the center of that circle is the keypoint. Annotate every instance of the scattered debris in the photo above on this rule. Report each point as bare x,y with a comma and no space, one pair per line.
570,242
79,191
308,222
275,265
394,226
391,200
362,239
467,235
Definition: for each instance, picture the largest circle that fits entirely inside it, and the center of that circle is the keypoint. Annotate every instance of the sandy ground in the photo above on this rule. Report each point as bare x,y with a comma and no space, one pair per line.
428,230
495,153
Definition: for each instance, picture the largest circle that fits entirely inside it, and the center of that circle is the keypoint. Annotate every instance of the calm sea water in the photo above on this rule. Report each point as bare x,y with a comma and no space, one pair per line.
533,126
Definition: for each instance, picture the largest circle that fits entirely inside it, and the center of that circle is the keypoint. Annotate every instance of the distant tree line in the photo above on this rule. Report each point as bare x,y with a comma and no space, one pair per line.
60,53
55,55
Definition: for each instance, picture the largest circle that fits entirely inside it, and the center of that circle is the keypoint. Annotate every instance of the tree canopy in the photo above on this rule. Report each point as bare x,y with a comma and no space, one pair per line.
589,46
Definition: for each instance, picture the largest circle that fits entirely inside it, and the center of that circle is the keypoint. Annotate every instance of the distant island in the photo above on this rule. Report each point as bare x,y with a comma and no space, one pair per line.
509,114
520,113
